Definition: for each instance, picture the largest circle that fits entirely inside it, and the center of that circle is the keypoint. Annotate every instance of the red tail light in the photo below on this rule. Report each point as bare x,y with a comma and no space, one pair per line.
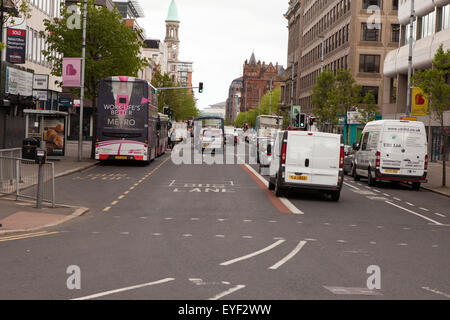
378,161
341,158
283,153
426,162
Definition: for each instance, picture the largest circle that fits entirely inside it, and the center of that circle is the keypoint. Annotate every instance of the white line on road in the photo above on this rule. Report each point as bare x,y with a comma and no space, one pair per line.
397,199
349,185
437,292
220,236
415,213
283,200
424,209
440,215
289,256
251,255
386,195
290,206
102,294
225,293
171,184
409,204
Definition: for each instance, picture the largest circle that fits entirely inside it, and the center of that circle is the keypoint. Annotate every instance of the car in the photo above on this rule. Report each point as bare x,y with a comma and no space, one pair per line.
307,161
211,139
392,150
349,155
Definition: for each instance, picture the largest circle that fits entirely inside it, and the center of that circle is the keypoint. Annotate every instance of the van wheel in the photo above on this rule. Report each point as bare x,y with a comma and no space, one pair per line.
354,174
271,185
335,195
416,186
371,181
278,191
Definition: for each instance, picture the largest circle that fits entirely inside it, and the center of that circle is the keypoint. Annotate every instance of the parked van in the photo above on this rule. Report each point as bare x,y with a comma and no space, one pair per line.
307,160
392,150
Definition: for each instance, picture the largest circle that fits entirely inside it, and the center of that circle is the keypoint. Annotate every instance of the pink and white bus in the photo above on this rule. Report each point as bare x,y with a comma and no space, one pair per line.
127,120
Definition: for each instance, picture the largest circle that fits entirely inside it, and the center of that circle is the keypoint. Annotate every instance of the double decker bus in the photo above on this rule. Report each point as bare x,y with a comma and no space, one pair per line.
163,134
127,120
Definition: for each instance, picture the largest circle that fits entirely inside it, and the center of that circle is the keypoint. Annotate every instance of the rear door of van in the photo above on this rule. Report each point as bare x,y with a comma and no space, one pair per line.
312,158
403,149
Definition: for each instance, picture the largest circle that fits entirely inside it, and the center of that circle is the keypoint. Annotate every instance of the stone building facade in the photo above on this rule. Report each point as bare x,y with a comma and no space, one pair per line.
256,81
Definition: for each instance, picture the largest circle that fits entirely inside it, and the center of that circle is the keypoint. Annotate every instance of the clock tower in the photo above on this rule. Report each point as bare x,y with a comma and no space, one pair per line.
172,41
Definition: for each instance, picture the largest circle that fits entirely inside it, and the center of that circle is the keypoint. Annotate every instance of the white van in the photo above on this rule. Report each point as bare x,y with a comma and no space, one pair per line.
392,150
307,160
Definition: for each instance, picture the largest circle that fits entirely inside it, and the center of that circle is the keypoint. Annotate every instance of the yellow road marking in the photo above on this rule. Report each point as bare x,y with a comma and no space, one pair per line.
29,235
126,192
107,209
121,197
114,203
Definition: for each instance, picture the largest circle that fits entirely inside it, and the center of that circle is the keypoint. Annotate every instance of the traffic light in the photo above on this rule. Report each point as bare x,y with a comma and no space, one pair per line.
200,87
302,122
297,120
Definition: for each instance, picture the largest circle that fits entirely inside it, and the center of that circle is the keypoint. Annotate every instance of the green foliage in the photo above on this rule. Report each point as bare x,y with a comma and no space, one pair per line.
181,102
324,110
112,48
434,83
23,9
368,109
250,116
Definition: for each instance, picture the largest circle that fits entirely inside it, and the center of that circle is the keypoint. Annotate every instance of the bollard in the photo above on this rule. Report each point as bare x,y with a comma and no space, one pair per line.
40,186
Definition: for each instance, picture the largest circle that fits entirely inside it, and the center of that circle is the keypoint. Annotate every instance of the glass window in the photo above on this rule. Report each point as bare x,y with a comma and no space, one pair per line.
370,33
394,4
427,24
444,17
369,63
34,46
368,3
406,33
395,33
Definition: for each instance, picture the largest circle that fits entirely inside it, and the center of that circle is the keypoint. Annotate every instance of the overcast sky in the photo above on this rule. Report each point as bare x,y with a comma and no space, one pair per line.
219,35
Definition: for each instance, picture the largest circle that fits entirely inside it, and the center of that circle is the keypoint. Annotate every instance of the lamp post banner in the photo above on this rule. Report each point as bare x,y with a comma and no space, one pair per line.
16,45
71,72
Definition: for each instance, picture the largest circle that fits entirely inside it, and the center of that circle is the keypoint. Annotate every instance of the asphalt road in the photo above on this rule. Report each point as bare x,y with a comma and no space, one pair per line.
169,231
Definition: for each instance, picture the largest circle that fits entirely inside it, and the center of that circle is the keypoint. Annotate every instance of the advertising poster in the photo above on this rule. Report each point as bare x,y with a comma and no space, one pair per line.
419,102
71,72
19,82
54,136
16,46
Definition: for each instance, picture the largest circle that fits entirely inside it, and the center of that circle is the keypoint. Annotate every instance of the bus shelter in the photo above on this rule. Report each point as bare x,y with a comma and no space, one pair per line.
49,126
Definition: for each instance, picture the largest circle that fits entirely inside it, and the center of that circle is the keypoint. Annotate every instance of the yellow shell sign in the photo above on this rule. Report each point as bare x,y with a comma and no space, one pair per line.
419,102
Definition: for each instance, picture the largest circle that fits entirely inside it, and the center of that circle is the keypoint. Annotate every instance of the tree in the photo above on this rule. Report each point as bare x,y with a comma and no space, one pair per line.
323,110
344,96
112,48
368,109
19,9
435,84
181,101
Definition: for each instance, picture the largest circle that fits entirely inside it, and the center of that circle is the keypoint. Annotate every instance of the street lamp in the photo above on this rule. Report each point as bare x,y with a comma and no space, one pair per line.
323,52
83,67
411,30
292,92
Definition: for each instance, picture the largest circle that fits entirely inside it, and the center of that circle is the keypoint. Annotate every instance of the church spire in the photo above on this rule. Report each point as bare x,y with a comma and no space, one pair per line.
252,59
173,12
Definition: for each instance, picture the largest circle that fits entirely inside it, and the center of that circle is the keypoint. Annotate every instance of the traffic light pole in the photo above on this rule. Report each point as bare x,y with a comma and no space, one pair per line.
175,88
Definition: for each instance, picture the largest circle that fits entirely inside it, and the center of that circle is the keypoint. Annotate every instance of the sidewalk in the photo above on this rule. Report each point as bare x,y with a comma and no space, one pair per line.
434,178
22,216
70,164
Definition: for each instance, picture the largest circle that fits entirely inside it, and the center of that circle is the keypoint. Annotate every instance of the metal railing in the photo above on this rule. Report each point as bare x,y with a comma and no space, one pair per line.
19,177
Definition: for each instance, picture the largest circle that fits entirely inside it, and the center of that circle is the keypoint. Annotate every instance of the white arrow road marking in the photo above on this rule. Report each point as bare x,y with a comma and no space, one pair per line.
289,256
225,293
102,294
415,213
251,255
